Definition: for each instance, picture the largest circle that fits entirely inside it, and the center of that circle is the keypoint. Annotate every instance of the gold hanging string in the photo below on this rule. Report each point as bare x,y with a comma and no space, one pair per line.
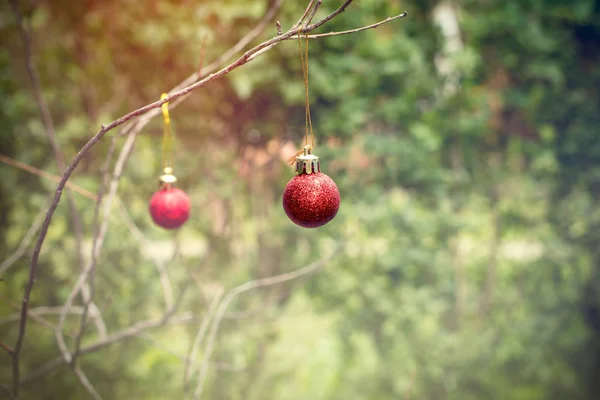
304,62
309,128
167,135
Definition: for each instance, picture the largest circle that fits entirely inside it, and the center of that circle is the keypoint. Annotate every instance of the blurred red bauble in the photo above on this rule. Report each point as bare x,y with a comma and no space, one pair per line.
311,199
170,207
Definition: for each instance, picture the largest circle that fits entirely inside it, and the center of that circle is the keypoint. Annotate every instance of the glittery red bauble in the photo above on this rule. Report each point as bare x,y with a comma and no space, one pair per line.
311,200
170,208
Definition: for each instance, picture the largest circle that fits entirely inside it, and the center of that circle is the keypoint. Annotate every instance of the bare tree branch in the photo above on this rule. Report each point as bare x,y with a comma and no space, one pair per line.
101,327
232,294
81,283
328,18
38,311
100,230
26,241
85,382
237,315
46,175
146,337
36,315
238,47
43,321
168,318
58,154
121,335
6,348
199,337
303,17
176,94
312,13
161,267
363,28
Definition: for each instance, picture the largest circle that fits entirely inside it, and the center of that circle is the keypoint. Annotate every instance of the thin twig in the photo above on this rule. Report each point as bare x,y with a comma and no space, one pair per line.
101,327
161,268
119,336
43,174
40,311
26,241
323,35
36,315
146,337
237,315
85,382
100,231
133,330
7,348
232,294
328,18
194,78
189,370
363,28
245,58
43,321
306,11
312,13
81,284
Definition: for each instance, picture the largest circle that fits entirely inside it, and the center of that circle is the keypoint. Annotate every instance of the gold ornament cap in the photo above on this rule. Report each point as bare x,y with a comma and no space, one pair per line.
307,163
167,178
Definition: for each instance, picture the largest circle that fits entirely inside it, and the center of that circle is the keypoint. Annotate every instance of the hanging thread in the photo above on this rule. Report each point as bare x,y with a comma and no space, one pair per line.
308,122
304,62
167,137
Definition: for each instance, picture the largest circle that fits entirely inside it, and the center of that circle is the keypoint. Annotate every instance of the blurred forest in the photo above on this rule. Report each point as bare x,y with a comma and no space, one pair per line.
464,262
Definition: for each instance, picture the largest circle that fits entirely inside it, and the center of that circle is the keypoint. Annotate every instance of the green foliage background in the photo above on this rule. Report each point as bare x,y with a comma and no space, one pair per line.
471,218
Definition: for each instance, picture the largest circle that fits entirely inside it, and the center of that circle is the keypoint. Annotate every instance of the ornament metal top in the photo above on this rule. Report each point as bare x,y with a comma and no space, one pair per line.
167,178
307,163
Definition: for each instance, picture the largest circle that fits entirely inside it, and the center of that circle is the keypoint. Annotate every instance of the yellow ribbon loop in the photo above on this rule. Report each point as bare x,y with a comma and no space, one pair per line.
167,135
165,109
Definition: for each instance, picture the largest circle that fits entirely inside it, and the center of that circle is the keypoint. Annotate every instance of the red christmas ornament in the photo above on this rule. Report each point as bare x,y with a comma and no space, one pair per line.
169,207
311,199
